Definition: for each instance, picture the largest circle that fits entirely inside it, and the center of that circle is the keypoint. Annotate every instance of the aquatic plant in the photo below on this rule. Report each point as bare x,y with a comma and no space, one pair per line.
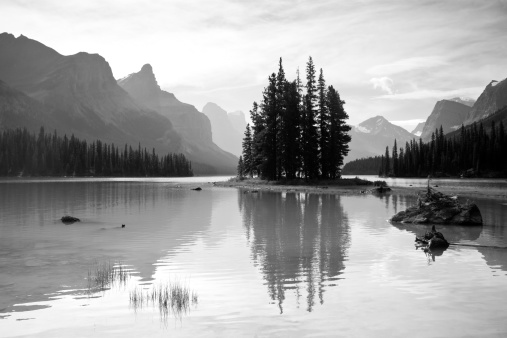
105,275
174,297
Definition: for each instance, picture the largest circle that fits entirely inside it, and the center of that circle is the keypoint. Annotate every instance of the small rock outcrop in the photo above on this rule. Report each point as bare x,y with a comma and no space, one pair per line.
433,239
437,208
70,219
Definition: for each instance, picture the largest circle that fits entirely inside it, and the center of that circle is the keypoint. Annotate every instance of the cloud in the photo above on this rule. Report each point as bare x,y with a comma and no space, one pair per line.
383,83
405,65
473,92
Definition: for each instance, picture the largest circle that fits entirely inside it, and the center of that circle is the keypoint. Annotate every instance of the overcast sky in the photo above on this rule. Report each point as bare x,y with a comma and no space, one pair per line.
390,58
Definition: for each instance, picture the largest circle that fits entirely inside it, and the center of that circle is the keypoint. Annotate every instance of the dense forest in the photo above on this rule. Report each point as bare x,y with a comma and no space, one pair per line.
297,131
471,152
22,153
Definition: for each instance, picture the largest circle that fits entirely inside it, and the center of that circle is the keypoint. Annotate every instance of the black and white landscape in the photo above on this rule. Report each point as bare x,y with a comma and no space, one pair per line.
229,168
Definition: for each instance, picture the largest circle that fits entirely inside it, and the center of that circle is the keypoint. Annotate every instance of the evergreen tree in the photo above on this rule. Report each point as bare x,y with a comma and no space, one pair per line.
310,132
387,170
241,168
395,159
248,158
324,128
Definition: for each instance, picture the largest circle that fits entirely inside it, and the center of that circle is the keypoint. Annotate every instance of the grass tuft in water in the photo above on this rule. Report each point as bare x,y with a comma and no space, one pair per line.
171,297
105,275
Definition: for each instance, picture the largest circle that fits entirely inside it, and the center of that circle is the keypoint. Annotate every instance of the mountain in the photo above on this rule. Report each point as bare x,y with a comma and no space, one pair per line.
77,94
493,98
238,121
498,117
418,129
192,125
81,94
371,137
18,109
224,133
446,113
464,100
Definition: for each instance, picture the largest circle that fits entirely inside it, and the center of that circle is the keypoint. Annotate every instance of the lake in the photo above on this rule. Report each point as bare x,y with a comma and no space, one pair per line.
263,264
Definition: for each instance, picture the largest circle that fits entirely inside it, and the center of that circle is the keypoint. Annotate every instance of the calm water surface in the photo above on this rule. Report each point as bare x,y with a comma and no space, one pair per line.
262,264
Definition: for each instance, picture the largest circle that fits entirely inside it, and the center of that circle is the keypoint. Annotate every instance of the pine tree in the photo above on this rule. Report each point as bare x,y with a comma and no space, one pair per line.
324,127
395,159
241,168
248,158
310,132
387,170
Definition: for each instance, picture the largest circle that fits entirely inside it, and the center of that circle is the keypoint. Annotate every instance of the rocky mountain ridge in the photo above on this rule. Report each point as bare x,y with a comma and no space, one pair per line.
372,136
77,94
446,113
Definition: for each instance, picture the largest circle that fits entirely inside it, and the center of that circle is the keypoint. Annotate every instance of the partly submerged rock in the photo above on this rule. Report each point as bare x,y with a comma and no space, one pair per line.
435,207
70,219
433,239
381,189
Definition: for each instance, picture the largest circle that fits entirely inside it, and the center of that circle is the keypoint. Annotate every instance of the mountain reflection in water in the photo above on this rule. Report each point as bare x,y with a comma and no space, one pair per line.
299,240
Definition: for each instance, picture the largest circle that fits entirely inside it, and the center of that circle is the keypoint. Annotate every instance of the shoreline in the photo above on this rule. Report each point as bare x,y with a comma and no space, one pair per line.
323,188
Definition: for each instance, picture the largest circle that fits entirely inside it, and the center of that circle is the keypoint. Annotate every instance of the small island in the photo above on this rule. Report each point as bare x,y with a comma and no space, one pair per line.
438,208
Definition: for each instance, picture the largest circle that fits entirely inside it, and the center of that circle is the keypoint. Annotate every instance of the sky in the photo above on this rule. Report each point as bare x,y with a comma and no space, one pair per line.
389,58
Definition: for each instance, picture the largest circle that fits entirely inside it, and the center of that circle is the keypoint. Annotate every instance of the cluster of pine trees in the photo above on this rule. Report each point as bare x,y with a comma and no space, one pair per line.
296,133
22,153
471,152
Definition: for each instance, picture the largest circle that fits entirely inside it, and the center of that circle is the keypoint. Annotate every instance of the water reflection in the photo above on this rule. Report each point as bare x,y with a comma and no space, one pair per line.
36,245
298,240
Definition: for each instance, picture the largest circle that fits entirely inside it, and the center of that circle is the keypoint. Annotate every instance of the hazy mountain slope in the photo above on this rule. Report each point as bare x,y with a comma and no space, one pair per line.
464,100
238,121
371,137
193,126
446,113
499,116
18,109
418,129
493,98
224,133
80,92
80,95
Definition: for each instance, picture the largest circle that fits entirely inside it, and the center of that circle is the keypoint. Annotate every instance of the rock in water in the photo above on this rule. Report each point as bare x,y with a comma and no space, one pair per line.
433,239
70,219
435,207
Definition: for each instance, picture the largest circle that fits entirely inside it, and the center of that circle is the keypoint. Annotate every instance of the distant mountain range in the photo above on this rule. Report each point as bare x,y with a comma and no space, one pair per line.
77,94
371,137
452,113
238,121
225,130
449,114
418,129
193,126
492,99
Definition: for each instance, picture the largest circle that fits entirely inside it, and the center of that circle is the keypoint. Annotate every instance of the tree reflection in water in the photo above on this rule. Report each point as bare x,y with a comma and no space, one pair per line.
298,240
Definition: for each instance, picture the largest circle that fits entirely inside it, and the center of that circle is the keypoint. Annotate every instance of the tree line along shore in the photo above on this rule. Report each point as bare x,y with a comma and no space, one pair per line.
474,151
26,154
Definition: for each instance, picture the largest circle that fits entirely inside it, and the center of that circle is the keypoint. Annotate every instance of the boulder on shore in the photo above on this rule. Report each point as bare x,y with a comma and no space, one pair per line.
70,219
437,208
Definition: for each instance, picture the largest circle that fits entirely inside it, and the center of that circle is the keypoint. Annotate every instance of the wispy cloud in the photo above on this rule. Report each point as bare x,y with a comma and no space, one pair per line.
405,65
472,92
406,50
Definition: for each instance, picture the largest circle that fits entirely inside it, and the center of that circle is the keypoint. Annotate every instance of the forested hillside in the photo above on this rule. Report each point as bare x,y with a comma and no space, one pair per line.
22,153
474,150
